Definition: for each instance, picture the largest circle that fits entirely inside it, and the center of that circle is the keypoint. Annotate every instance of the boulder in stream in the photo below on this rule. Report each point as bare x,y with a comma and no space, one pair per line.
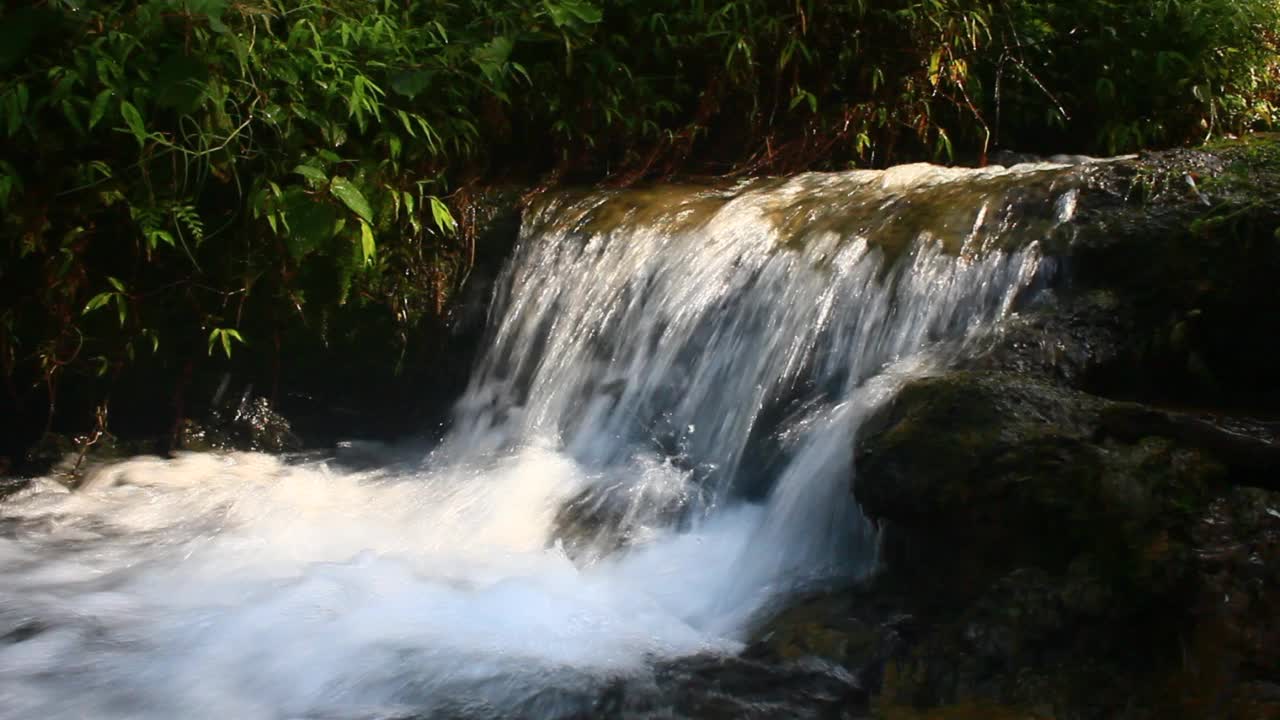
1082,520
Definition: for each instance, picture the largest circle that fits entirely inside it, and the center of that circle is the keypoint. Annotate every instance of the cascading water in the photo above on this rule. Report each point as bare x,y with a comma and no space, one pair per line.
655,450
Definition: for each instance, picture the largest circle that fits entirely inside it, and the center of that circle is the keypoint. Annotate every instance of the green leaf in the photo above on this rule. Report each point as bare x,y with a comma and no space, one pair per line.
492,58
155,237
566,12
367,246
350,195
409,210
97,301
440,213
312,173
224,336
310,223
133,119
99,108
116,283
69,112
404,119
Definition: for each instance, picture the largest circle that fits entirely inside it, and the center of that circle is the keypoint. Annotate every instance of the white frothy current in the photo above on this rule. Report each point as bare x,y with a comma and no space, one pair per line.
656,448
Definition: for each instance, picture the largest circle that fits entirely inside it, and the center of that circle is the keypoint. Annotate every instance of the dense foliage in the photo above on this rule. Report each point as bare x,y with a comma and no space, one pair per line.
184,181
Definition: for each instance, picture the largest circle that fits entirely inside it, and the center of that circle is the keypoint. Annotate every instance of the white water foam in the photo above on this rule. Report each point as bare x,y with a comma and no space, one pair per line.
657,447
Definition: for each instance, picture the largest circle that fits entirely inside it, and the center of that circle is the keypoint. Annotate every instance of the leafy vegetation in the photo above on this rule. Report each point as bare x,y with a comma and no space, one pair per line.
187,183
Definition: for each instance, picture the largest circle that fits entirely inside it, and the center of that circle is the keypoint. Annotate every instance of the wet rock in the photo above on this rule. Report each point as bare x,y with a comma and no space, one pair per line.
1044,555
10,485
730,688
1062,553
861,629
601,520
1161,284
1186,242
200,437
1232,668
1070,339
70,459
1050,546
53,451
999,470
249,424
259,427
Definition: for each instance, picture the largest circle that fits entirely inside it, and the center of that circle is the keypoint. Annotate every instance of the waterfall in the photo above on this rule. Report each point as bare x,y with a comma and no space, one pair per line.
655,449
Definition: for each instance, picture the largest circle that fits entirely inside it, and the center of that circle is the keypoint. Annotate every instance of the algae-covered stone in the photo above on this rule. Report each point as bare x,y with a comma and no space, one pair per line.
1021,470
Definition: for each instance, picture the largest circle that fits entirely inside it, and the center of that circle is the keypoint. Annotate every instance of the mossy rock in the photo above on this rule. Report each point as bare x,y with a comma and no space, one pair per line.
1023,471
1062,532
1189,242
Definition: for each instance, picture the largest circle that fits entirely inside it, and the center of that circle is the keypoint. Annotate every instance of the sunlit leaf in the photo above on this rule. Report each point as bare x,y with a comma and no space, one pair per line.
350,195
440,213
96,302
223,337
367,245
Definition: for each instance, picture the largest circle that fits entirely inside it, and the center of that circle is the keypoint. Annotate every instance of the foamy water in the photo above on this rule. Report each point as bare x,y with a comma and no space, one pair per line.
655,451
240,586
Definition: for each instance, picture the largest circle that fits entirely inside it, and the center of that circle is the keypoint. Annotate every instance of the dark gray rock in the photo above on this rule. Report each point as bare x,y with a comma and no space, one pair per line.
249,424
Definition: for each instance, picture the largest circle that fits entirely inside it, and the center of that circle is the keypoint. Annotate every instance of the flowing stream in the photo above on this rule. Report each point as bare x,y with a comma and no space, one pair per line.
654,453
